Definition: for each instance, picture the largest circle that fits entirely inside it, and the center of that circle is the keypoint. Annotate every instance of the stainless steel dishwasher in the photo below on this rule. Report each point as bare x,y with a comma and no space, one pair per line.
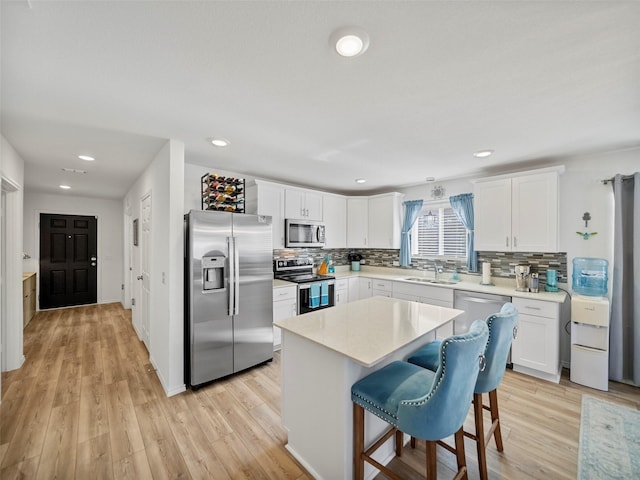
475,306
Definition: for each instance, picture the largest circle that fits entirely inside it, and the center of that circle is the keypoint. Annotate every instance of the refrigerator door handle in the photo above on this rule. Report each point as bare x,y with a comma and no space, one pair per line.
236,277
232,274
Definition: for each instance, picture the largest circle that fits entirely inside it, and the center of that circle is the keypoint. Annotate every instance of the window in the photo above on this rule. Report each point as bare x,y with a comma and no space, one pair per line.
438,233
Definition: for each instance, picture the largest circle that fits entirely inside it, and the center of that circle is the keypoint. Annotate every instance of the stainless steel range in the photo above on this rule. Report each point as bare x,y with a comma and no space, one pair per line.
315,291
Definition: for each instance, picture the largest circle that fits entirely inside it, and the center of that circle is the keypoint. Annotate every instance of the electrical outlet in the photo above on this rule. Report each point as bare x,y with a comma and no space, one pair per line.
362,262
396,263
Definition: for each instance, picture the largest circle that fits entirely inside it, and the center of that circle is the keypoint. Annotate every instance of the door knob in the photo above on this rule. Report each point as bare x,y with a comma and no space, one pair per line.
140,277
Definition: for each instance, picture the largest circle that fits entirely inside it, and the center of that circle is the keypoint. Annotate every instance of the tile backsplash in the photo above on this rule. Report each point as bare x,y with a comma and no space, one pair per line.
502,263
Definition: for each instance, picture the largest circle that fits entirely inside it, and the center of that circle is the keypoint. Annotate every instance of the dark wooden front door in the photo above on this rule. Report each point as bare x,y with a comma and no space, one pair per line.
68,260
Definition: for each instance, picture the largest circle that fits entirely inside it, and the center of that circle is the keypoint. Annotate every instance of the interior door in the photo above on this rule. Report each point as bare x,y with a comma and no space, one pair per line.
68,260
145,267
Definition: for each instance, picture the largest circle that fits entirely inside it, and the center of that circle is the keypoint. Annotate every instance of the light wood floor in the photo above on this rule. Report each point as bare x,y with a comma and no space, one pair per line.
87,404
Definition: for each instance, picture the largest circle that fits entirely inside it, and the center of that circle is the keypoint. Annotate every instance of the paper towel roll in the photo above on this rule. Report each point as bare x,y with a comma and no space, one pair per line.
486,272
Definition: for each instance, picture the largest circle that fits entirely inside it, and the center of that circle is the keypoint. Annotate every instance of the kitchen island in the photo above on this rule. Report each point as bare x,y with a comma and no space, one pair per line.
327,351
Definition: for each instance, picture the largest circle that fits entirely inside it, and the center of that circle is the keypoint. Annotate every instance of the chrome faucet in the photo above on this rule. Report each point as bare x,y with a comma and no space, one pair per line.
437,268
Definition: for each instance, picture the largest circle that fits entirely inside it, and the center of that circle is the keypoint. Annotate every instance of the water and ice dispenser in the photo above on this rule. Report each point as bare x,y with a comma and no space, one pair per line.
213,271
590,323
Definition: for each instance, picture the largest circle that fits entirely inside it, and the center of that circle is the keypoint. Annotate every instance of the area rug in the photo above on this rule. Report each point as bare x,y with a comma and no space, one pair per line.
609,441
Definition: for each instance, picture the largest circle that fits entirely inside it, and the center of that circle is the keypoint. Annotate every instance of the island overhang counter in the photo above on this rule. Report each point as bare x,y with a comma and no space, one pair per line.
327,351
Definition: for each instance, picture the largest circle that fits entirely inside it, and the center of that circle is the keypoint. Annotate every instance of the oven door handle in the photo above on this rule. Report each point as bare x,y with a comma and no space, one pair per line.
307,286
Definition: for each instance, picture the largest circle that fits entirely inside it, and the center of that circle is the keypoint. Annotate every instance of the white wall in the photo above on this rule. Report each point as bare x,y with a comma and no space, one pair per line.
110,248
164,179
12,173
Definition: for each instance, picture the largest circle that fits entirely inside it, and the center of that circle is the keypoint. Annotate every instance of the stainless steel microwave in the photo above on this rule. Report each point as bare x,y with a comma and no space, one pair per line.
303,233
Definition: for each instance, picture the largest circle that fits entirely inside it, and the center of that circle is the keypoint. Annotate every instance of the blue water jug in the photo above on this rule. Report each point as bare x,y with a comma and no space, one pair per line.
590,276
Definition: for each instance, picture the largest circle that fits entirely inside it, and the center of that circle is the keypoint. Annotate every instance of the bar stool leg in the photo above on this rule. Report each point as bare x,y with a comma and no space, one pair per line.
495,418
358,442
432,467
480,440
460,455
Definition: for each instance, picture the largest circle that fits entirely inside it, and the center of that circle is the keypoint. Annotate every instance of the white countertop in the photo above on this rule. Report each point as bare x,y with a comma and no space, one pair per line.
502,286
369,330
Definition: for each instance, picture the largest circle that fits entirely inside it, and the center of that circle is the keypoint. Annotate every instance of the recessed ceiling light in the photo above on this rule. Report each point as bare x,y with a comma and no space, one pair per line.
73,170
350,41
430,179
361,180
219,142
483,153
86,158
65,187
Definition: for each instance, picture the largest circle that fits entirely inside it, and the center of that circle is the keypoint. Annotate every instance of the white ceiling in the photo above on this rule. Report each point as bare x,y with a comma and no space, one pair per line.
535,81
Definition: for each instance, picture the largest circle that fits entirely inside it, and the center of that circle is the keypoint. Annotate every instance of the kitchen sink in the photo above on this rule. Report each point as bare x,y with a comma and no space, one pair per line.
431,280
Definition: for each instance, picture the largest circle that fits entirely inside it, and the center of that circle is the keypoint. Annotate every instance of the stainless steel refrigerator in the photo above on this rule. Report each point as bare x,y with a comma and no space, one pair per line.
229,294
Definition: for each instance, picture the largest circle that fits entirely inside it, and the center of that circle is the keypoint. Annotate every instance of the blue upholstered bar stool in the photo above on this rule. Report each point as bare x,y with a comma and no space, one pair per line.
502,330
419,402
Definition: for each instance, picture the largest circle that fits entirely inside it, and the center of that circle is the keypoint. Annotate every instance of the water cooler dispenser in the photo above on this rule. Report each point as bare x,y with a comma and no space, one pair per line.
590,324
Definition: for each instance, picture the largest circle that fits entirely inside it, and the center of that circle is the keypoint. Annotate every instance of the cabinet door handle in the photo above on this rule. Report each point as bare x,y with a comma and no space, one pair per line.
532,308
515,242
506,241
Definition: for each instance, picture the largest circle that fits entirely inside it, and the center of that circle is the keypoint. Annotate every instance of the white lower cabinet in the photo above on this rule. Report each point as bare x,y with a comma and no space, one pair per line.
354,286
342,291
285,305
365,288
536,348
443,297
382,288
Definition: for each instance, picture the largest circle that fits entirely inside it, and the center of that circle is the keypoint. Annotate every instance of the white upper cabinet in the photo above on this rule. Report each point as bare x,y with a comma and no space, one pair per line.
303,204
375,221
517,213
385,220
357,222
270,201
492,215
335,220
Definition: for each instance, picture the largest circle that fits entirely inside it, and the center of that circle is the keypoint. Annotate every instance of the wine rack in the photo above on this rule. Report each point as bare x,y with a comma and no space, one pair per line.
224,194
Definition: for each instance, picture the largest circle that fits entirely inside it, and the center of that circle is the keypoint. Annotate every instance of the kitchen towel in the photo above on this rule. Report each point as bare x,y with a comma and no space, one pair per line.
324,294
314,295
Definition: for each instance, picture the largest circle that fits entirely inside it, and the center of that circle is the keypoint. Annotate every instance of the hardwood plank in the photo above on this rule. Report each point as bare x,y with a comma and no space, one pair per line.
58,458
94,416
274,461
69,380
238,462
32,428
162,450
209,467
124,430
93,459
92,359
21,471
133,467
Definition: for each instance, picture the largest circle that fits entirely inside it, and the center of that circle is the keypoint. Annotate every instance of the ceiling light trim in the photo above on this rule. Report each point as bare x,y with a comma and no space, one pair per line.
219,142
349,42
483,153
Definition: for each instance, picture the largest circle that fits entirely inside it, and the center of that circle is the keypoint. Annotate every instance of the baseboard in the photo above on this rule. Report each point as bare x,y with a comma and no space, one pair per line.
169,391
